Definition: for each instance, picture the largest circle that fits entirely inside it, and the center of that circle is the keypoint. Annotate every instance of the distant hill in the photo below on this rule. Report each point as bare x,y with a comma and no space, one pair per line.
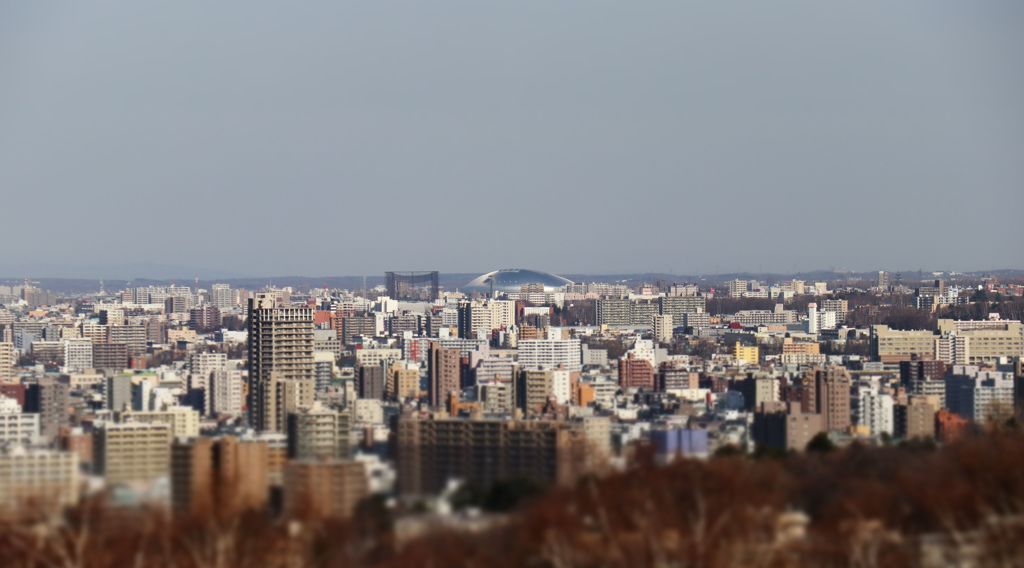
454,280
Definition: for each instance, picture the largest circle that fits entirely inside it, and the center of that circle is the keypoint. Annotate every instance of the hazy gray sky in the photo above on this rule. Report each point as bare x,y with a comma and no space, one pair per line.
269,138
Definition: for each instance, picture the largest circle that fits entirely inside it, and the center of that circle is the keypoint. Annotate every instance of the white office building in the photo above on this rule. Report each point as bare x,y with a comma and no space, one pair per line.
550,354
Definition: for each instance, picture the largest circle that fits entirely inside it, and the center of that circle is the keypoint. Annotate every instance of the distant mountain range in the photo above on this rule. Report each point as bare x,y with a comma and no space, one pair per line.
453,280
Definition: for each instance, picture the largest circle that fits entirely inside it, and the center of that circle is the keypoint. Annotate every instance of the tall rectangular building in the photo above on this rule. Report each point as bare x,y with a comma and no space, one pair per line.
281,345
371,381
133,335
663,326
636,373
827,392
533,390
78,355
7,362
222,297
49,398
403,382
445,366
117,391
915,419
225,392
318,433
132,452
221,476
110,357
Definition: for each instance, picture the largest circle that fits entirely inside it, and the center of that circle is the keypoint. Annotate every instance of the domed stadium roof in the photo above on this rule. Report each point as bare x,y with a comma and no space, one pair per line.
510,280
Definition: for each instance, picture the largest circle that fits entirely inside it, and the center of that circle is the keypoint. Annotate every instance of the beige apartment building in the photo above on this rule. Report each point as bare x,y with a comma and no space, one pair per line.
958,342
403,382
7,362
182,420
981,341
43,479
132,452
891,345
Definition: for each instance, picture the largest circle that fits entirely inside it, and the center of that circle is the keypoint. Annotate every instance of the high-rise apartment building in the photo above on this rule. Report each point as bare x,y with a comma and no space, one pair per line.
884,282
445,370
837,306
827,392
182,420
117,392
812,318
317,433
78,355
479,318
984,341
222,297
533,390
43,479
133,335
110,357
204,364
280,397
891,346
979,396
737,287
16,427
875,412
280,352
550,354
204,318
132,452
371,381
50,399
925,378
680,306
225,393
781,430
663,327
357,325
915,419
614,312
222,476
7,362
403,381
756,391
429,452
801,352
636,373
746,354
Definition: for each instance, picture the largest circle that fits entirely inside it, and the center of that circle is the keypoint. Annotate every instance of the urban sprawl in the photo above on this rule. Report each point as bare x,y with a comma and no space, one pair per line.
305,403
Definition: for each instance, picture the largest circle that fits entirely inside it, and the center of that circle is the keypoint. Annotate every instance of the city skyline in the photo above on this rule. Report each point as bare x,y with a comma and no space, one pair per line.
456,283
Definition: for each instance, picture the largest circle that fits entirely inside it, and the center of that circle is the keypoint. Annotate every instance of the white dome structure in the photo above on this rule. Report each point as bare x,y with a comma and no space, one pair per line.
511,279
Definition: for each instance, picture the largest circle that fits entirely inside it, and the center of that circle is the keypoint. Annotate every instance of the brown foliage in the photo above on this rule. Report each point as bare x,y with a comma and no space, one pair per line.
863,506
